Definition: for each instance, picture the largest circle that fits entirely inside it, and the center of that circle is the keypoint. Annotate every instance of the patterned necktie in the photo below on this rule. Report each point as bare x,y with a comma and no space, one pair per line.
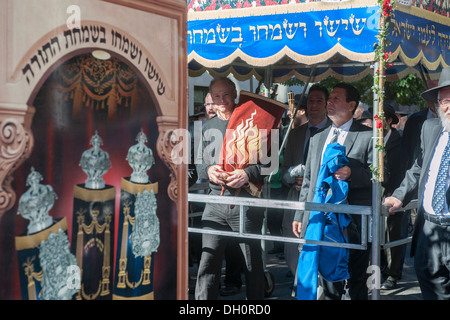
312,132
441,181
334,139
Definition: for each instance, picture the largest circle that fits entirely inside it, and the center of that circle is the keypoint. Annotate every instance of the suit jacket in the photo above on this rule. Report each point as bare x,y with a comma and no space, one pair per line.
293,152
358,148
411,136
416,176
396,162
295,144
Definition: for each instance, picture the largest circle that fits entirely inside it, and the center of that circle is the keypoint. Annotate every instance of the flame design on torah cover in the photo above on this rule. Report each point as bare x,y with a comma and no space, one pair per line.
247,138
244,147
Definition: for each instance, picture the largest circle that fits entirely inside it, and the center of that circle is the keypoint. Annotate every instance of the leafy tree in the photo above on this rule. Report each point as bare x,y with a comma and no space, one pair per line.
406,91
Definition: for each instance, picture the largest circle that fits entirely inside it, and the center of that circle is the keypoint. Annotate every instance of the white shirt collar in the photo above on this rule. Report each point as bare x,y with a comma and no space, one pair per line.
345,127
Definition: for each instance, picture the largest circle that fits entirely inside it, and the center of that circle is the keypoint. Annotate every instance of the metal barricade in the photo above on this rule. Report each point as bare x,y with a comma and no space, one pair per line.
385,245
364,211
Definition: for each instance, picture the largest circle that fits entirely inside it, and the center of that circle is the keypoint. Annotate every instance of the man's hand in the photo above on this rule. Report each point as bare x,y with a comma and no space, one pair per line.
216,175
297,228
393,203
237,179
298,183
343,173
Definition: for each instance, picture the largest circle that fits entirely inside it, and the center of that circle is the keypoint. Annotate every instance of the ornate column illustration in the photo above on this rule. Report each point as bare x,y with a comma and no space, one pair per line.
93,225
166,141
138,227
16,143
177,191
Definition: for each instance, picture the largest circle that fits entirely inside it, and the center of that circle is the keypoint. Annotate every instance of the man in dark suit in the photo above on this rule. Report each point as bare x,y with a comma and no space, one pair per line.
357,140
431,238
411,132
396,225
295,154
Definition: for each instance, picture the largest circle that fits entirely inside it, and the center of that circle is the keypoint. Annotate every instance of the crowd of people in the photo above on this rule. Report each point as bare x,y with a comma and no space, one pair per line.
412,170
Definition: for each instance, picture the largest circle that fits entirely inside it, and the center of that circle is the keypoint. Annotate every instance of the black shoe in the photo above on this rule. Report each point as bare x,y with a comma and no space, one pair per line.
229,291
389,285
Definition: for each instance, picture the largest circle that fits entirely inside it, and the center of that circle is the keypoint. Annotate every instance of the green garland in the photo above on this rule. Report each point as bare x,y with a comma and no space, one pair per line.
382,57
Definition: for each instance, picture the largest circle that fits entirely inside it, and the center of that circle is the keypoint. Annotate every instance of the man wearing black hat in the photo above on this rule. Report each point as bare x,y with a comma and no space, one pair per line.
430,176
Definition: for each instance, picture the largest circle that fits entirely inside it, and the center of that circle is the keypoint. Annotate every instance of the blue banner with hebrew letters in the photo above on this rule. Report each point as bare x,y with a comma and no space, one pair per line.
419,39
307,37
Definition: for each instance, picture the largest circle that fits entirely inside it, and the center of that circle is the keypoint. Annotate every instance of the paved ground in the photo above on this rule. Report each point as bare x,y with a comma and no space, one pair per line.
407,288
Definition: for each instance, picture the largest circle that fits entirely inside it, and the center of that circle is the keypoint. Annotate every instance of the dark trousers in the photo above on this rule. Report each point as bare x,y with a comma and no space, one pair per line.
233,265
432,261
275,217
393,258
226,218
357,265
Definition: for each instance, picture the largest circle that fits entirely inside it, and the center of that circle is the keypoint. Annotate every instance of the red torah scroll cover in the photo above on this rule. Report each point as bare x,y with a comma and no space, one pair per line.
247,138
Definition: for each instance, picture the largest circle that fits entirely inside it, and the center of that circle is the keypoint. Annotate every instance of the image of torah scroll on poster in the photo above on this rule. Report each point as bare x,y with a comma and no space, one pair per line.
96,102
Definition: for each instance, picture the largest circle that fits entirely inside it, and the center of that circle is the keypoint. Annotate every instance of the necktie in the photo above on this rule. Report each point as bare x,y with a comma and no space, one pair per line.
312,132
334,139
441,181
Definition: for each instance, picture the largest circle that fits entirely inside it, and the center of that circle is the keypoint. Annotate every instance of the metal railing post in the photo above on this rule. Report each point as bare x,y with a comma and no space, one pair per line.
241,219
375,278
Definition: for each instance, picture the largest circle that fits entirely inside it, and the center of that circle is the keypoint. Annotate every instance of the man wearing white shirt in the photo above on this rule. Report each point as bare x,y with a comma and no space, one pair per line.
357,140
341,133
431,238
432,175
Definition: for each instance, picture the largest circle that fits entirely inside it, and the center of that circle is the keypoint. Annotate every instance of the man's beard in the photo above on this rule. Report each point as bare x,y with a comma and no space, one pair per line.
444,120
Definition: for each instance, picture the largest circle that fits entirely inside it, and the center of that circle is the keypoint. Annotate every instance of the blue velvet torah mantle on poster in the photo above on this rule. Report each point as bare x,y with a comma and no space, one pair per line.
330,262
30,269
93,240
133,277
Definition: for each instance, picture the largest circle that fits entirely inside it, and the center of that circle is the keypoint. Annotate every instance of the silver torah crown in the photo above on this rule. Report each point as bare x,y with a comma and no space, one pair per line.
95,163
140,159
36,202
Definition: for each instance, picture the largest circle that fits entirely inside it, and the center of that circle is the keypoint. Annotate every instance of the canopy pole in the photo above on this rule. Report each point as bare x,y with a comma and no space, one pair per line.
296,109
374,281
378,163
268,80
422,75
